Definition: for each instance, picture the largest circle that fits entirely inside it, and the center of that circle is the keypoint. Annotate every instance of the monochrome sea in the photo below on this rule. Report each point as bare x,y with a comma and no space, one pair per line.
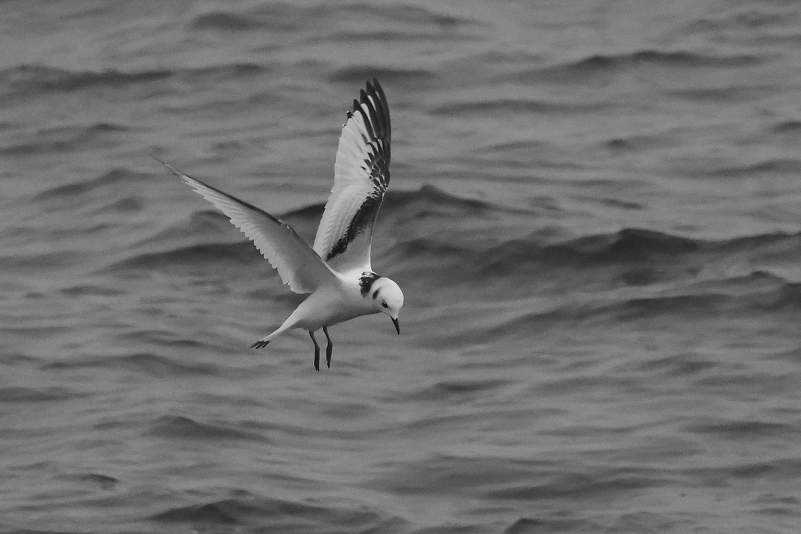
594,214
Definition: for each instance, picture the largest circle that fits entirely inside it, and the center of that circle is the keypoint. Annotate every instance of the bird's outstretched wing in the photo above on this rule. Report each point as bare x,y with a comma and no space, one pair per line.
361,176
296,263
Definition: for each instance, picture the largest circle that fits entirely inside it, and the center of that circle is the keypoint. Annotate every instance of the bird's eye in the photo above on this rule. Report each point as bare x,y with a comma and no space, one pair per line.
384,304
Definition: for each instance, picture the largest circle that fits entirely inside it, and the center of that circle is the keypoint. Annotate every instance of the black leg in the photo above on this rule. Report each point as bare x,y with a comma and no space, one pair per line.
316,351
329,349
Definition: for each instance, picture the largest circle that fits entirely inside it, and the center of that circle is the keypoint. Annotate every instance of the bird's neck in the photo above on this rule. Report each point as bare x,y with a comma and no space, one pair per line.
366,281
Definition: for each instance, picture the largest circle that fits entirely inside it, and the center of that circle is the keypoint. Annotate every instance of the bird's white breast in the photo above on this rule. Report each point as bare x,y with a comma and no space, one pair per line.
334,304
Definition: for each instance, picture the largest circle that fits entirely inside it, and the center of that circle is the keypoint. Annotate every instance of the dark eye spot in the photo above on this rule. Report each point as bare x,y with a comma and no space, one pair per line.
384,304
375,294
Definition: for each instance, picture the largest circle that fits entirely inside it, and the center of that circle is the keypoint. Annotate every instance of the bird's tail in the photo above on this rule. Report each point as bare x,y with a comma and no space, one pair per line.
263,342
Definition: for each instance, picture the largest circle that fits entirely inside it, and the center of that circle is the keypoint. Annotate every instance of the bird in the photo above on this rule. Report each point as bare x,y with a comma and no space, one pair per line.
335,272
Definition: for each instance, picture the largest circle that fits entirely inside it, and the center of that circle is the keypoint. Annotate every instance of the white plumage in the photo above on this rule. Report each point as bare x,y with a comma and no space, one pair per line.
361,177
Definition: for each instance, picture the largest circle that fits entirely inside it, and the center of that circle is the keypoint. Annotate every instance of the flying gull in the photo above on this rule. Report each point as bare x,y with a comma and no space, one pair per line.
336,272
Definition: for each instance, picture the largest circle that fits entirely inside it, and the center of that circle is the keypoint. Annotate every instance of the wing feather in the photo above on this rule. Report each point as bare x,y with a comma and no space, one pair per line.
361,177
296,263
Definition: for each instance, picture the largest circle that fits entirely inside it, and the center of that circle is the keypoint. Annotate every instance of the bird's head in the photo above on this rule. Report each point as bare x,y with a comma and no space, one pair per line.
387,298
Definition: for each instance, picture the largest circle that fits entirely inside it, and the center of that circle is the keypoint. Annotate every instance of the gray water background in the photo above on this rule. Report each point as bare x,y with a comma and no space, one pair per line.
594,216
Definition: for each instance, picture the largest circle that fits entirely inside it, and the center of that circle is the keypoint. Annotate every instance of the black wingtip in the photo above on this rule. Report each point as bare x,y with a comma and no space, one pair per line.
381,108
158,159
169,167
259,344
374,88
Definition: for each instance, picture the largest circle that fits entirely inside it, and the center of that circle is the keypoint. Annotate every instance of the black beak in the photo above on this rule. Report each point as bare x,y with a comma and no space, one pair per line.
397,324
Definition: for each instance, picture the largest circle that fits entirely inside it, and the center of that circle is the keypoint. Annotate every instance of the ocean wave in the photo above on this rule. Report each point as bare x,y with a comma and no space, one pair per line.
604,64
222,72
686,307
108,184
204,254
771,166
109,179
290,18
415,16
679,365
399,208
246,509
396,76
165,338
610,303
454,390
693,308
601,484
632,274
427,230
404,207
68,139
23,394
125,205
104,482
742,430
504,479
37,78
527,525
227,21
447,474
727,93
631,247
385,36
430,200
43,261
29,81
217,513
627,247
405,17
663,58
514,106
83,290
181,427
150,364
749,19
209,223
787,127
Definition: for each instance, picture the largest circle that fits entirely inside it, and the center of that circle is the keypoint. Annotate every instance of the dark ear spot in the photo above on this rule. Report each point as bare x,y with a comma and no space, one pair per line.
375,294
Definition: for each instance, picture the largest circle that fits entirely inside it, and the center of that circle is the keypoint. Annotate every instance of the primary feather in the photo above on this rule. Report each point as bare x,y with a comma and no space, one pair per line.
296,263
361,177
